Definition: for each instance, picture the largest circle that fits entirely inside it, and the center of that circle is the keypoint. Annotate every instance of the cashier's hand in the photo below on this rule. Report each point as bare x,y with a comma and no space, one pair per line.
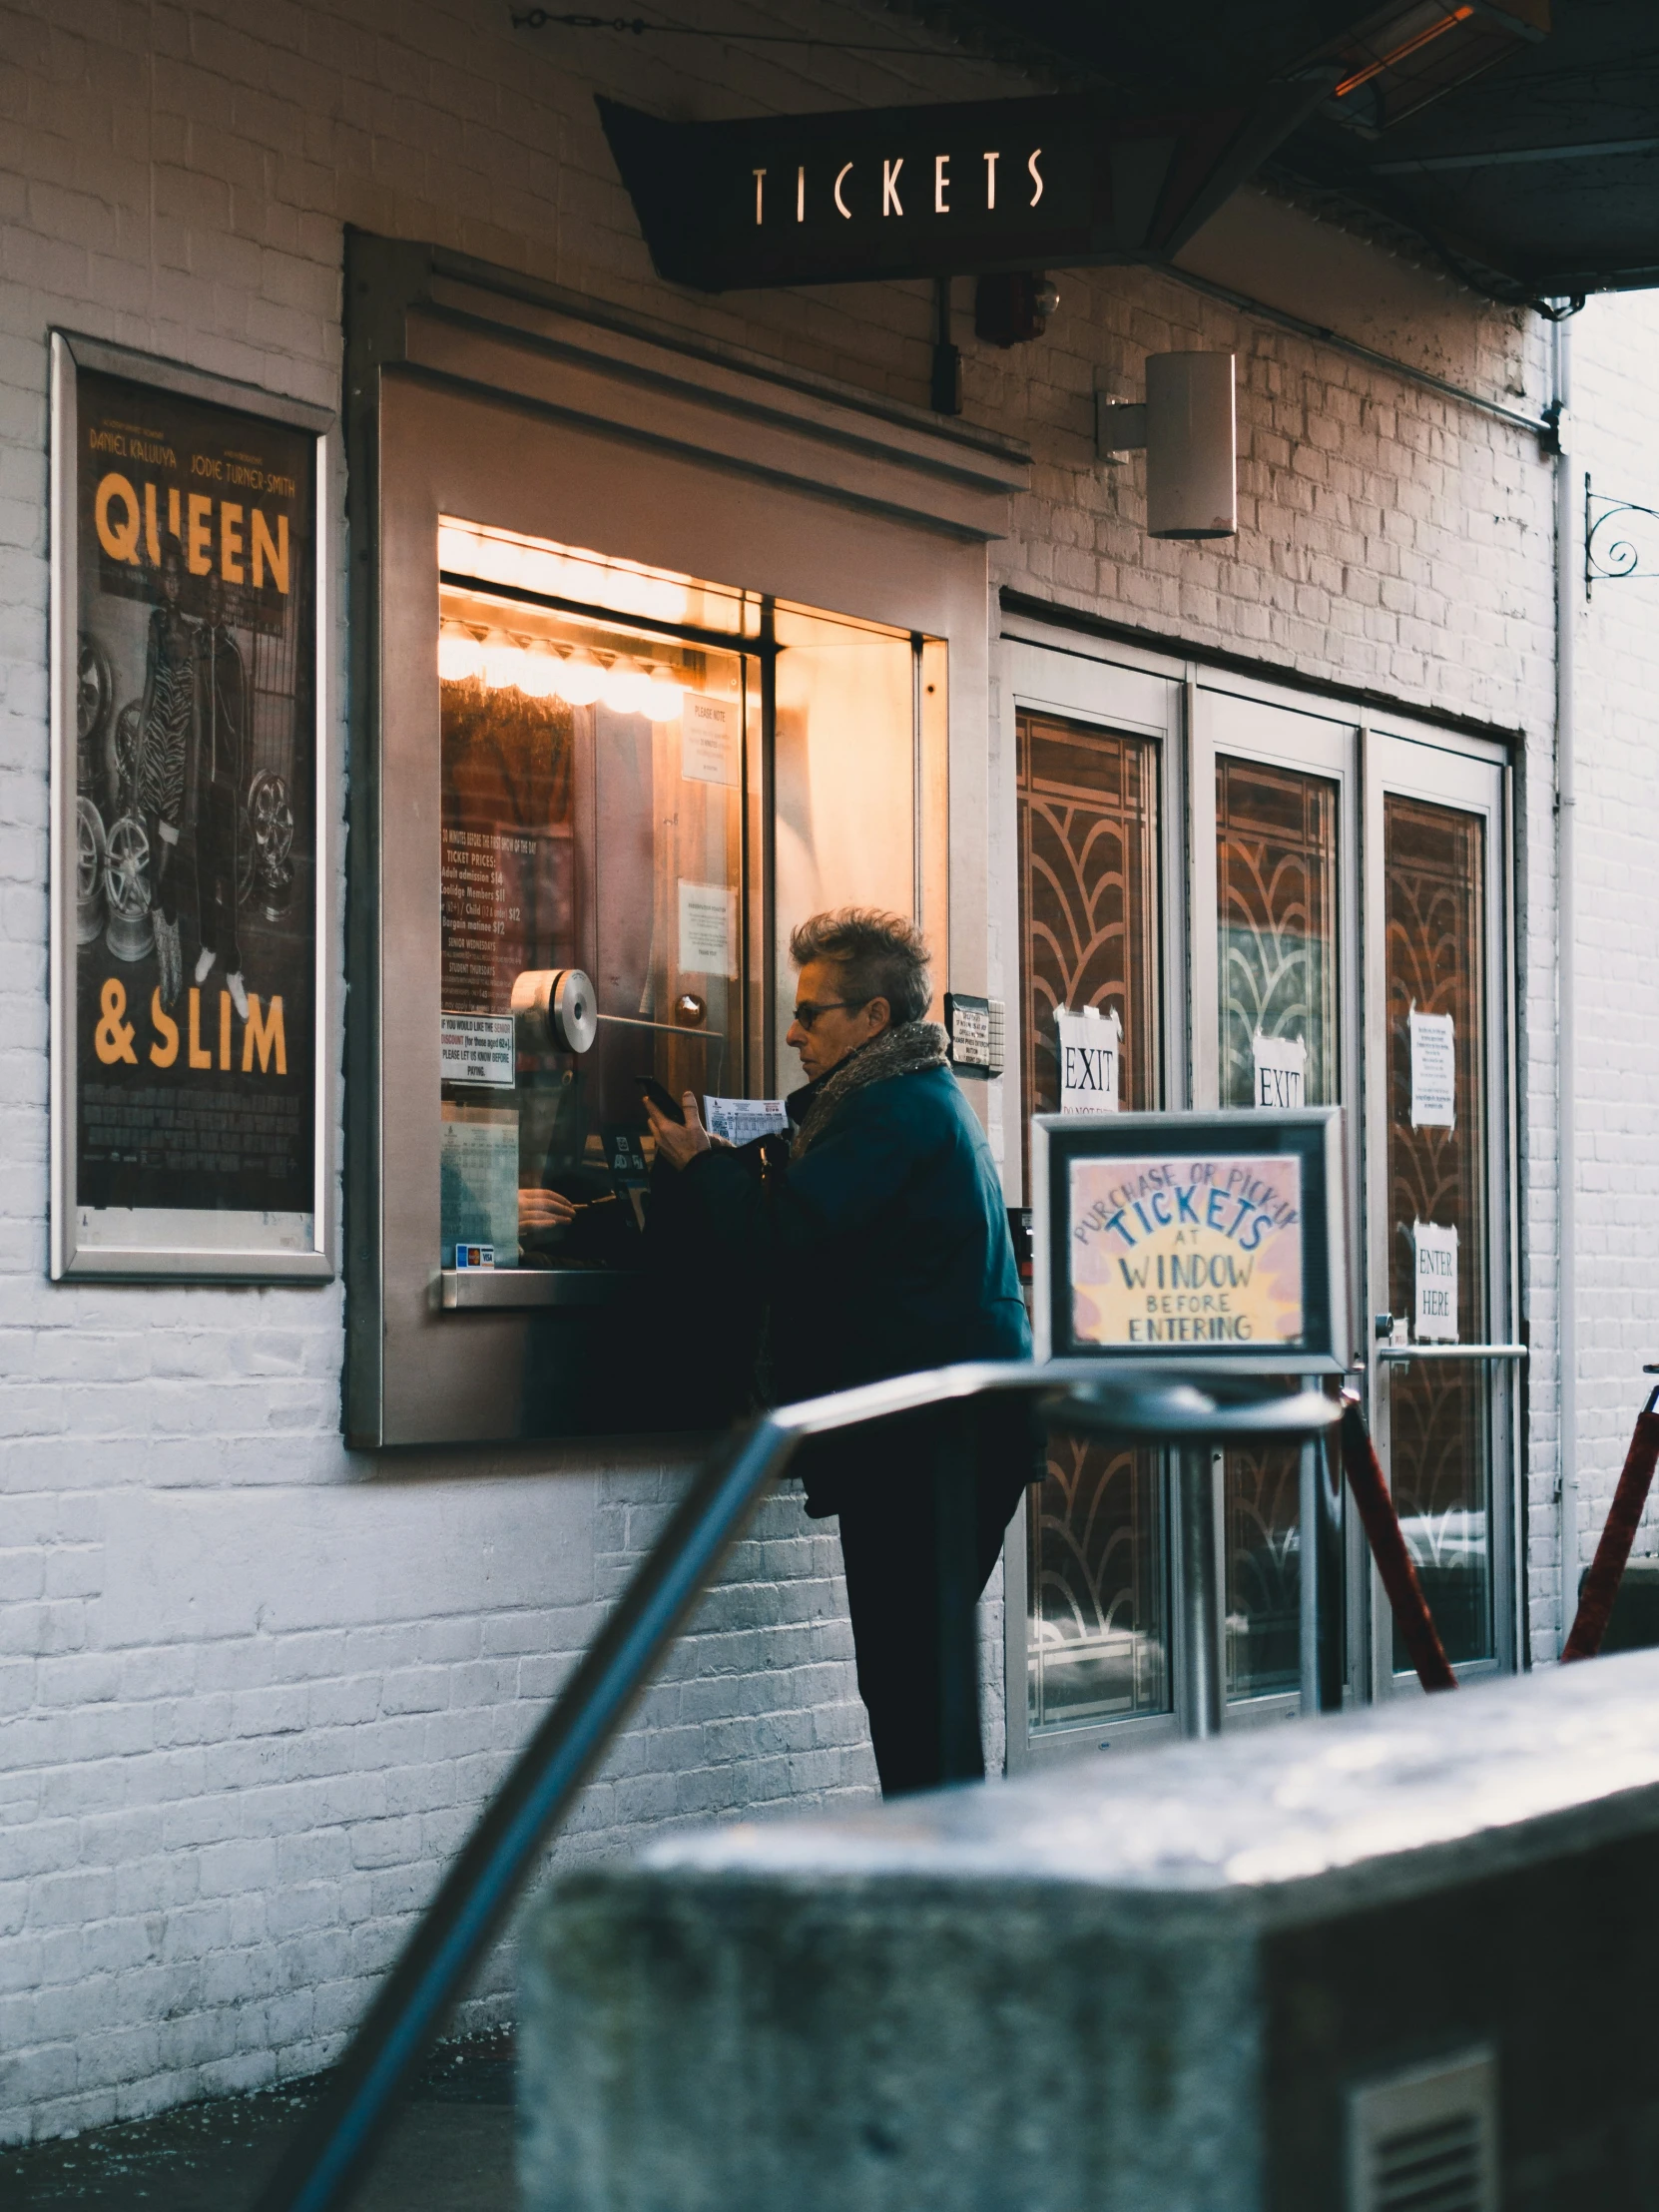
676,1143
544,1210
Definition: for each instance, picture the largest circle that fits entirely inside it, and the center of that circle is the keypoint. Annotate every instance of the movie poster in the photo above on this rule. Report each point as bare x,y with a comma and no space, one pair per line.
193,1119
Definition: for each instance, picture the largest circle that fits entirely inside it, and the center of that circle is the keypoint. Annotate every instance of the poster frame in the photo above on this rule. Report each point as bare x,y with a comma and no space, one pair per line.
182,1258
1315,1135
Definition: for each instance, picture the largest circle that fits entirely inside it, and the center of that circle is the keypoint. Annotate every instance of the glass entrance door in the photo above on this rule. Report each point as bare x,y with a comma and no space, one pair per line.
1088,832
1276,988
1355,954
1089,1567
1281,906
1438,1203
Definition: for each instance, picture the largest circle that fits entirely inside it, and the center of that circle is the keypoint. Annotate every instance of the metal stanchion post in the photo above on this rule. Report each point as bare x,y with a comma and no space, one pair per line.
1201,1701
1324,1615
1331,1580
1195,1420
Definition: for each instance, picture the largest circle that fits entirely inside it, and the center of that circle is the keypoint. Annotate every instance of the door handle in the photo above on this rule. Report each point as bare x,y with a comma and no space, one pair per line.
1451,1351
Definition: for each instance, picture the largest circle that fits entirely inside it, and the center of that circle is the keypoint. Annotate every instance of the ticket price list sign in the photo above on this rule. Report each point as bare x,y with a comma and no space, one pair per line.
191,1138
1202,1252
501,891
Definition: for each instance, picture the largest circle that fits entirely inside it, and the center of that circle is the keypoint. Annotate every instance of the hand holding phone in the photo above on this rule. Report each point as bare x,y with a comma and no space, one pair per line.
676,1124
666,1104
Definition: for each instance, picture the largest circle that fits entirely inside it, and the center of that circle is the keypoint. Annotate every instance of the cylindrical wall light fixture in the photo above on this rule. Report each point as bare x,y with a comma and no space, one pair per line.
1191,442
1188,426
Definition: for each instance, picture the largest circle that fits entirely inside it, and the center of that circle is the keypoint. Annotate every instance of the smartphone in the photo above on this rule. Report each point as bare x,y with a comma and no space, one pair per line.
666,1105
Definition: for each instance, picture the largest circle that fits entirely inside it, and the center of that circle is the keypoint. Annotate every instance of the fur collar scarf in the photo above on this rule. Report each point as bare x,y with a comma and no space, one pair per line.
909,1049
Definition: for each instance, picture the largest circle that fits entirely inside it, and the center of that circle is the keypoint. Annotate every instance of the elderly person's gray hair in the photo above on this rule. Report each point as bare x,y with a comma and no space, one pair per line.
876,955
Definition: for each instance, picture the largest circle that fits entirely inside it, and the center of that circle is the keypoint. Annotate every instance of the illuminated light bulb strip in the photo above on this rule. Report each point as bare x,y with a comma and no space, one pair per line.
460,656
590,579
538,672
665,698
626,688
580,679
539,669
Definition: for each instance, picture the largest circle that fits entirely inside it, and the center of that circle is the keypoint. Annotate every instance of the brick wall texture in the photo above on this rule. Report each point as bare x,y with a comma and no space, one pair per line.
254,1689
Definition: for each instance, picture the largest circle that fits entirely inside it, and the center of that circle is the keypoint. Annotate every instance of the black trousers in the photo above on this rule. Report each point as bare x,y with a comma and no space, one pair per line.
892,1535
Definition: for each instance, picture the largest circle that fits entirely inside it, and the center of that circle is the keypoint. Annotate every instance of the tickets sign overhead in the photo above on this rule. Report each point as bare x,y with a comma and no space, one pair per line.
860,194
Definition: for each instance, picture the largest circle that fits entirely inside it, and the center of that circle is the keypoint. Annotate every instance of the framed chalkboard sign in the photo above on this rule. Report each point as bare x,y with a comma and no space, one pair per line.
1202,1242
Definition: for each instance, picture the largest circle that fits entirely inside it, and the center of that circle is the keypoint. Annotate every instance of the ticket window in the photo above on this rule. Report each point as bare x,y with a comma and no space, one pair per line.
647,782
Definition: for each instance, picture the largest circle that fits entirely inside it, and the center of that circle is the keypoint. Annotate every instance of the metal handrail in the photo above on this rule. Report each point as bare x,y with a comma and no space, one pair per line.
332,2145
1402,1352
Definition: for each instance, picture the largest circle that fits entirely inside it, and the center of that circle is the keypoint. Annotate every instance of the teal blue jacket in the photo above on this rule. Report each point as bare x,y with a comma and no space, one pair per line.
883,1250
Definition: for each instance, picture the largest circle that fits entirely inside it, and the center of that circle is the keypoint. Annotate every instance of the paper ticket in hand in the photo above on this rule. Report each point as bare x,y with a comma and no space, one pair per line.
742,1120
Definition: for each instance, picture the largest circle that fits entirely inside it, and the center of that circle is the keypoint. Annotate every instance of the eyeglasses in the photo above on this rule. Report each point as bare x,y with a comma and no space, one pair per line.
807,1015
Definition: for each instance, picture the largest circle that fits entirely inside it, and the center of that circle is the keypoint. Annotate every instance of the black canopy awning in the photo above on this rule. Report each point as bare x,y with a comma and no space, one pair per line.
1519,137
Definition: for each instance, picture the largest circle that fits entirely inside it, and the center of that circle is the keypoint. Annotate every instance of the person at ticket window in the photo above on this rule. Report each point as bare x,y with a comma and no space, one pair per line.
221,766
883,1248
162,774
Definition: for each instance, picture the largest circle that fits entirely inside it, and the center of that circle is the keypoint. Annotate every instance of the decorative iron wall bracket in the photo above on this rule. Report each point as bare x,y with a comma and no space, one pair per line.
1621,540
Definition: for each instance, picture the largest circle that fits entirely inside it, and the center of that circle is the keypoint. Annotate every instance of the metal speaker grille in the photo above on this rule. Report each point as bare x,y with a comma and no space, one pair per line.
1426,2140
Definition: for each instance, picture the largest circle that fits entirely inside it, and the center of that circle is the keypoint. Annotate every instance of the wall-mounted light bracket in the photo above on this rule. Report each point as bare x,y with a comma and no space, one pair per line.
1119,427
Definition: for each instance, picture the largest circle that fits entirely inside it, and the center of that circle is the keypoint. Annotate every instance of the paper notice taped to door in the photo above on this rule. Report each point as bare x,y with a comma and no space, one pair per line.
707,738
1433,1071
1090,1050
1281,1072
708,929
1437,1268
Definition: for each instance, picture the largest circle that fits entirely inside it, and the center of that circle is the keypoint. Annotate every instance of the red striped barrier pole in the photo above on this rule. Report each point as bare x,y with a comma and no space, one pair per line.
1388,1548
1601,1584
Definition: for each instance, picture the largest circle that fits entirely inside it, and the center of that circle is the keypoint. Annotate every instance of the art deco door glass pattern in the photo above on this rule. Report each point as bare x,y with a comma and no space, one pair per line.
1088,929
1276,902
1434,866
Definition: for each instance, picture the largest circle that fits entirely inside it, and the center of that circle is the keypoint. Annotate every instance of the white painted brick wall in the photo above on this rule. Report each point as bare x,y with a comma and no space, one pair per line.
231,1765
1617,443
213,1832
